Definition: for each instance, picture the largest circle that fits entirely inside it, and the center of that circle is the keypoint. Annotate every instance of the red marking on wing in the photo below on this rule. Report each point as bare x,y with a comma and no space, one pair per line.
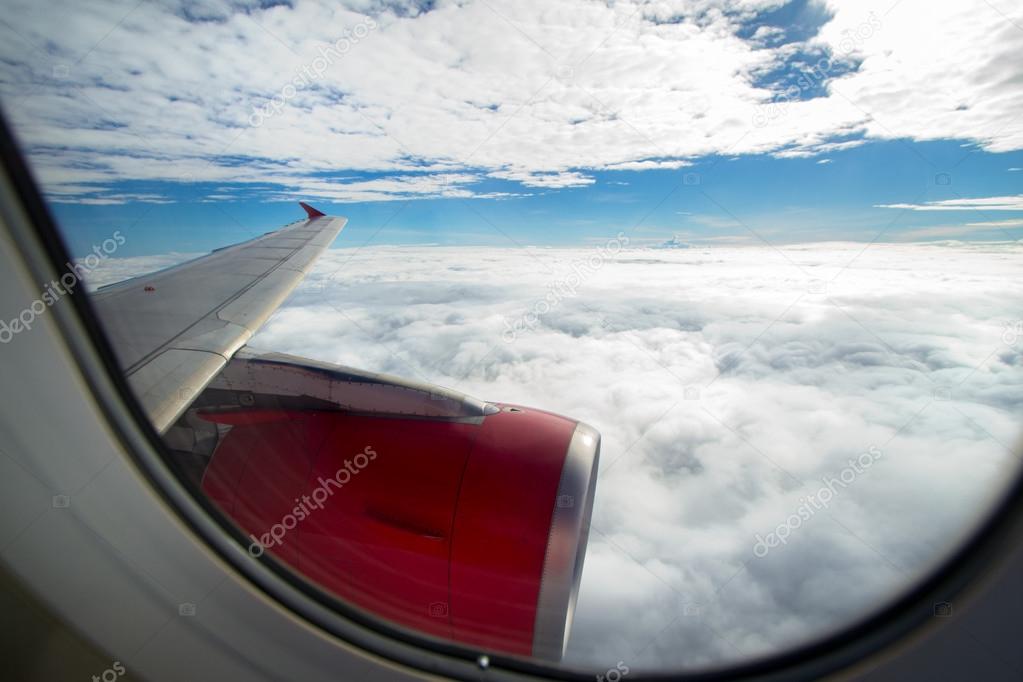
310,211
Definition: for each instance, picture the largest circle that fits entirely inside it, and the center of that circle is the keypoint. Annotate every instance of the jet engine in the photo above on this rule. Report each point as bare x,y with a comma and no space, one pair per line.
457,517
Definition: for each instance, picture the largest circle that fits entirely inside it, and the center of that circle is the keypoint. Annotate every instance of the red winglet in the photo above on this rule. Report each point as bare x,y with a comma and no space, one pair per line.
310,211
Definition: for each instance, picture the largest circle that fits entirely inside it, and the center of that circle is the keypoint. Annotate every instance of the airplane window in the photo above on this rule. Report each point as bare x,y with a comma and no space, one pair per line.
619,336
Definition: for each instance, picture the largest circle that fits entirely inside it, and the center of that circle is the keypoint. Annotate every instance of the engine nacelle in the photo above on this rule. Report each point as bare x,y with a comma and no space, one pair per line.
465,520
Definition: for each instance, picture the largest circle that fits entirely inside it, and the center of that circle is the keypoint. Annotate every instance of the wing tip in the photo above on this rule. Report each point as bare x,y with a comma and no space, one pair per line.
310,211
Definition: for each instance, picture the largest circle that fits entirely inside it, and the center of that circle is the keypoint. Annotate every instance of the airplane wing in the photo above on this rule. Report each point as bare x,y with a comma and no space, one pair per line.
175,329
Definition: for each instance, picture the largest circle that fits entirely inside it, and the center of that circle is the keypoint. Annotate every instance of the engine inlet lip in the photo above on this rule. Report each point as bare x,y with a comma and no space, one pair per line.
566,545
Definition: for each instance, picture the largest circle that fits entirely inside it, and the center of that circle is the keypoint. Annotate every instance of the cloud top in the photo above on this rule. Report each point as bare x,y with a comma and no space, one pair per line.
444,96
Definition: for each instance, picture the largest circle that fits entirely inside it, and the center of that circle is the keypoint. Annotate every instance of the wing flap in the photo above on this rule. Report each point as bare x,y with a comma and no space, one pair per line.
173,377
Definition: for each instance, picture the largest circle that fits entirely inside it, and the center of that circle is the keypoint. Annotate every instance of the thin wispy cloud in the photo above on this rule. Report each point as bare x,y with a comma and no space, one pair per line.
1009,203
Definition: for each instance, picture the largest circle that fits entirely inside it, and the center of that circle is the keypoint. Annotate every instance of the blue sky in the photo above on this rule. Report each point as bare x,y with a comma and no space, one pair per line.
717,199
188,126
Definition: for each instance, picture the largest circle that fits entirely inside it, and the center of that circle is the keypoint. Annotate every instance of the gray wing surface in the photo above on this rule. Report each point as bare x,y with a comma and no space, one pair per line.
175,329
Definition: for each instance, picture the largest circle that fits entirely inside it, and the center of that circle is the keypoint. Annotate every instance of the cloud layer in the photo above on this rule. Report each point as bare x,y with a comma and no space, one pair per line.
442,96
730,386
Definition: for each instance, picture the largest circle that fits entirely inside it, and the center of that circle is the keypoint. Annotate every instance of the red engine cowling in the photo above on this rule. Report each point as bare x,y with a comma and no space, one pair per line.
469,529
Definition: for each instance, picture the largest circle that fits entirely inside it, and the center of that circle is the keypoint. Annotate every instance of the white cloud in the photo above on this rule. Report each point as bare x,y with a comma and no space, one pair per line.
382,189
649,164
924,73
543,92
996,229
545,179
1013,222
791,387
802,357
90,196
1005,203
